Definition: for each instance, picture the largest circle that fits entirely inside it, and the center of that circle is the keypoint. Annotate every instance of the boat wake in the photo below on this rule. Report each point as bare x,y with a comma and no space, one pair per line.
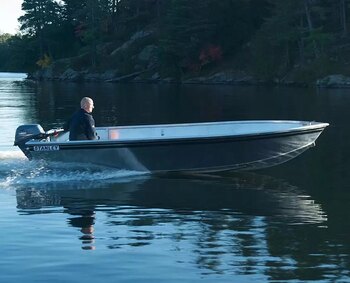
16,171
11,155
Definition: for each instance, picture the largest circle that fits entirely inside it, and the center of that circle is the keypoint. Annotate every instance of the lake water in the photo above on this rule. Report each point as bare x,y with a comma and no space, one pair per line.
73,223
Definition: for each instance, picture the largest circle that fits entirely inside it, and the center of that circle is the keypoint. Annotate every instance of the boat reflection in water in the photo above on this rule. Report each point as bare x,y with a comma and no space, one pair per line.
134,210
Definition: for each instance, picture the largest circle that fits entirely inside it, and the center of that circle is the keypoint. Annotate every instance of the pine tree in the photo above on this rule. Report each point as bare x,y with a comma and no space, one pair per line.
39,16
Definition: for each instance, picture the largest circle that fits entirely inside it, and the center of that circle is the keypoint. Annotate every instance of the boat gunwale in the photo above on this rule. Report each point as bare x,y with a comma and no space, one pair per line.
300,123
318,127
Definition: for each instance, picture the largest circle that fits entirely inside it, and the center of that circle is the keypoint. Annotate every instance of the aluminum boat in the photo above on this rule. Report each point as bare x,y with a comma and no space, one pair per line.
192,147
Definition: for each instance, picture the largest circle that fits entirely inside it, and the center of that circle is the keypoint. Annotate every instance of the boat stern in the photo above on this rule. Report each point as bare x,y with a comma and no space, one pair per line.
24,133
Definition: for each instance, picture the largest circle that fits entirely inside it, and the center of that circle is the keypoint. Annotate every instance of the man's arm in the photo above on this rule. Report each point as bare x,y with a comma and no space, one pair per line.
90,128
66,126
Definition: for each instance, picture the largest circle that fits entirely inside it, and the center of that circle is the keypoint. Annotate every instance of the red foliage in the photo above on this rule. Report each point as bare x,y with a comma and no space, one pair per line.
210,53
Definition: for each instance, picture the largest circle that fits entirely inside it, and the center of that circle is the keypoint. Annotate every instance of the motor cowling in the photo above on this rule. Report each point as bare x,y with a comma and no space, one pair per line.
25,133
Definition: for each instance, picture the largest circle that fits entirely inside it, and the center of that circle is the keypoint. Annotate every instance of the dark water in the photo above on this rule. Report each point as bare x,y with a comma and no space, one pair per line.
73,223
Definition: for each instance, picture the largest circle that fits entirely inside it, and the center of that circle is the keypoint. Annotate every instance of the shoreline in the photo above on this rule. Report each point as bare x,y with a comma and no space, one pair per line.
220,79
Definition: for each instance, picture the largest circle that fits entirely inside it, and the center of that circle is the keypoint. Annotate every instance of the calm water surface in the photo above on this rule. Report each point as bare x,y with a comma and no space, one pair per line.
74,223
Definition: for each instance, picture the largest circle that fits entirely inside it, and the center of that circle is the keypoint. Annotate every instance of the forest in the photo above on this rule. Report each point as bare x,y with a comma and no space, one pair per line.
298,40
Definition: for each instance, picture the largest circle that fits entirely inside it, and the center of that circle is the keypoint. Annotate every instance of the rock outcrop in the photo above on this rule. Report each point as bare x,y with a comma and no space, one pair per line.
334,81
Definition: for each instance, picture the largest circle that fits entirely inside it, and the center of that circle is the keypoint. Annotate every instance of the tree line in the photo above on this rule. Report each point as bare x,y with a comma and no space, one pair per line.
268,37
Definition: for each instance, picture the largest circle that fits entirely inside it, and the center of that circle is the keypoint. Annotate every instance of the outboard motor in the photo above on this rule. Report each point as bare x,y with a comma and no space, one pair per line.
25,133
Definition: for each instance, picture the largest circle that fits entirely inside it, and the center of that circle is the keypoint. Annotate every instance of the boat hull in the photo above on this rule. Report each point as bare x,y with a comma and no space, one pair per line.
243,152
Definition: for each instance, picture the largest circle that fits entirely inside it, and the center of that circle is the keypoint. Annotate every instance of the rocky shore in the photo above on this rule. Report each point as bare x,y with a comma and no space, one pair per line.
145,76
222,77
71,75
334,81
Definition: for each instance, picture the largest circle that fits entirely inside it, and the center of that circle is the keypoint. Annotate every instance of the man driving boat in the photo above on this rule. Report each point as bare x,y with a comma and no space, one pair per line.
81,125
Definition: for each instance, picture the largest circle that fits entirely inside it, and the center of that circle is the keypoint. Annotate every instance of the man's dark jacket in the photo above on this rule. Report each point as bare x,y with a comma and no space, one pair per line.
81,126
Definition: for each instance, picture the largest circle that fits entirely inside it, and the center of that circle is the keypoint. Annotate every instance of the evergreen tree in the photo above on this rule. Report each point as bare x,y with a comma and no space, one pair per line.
39,16
294,33
17,53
